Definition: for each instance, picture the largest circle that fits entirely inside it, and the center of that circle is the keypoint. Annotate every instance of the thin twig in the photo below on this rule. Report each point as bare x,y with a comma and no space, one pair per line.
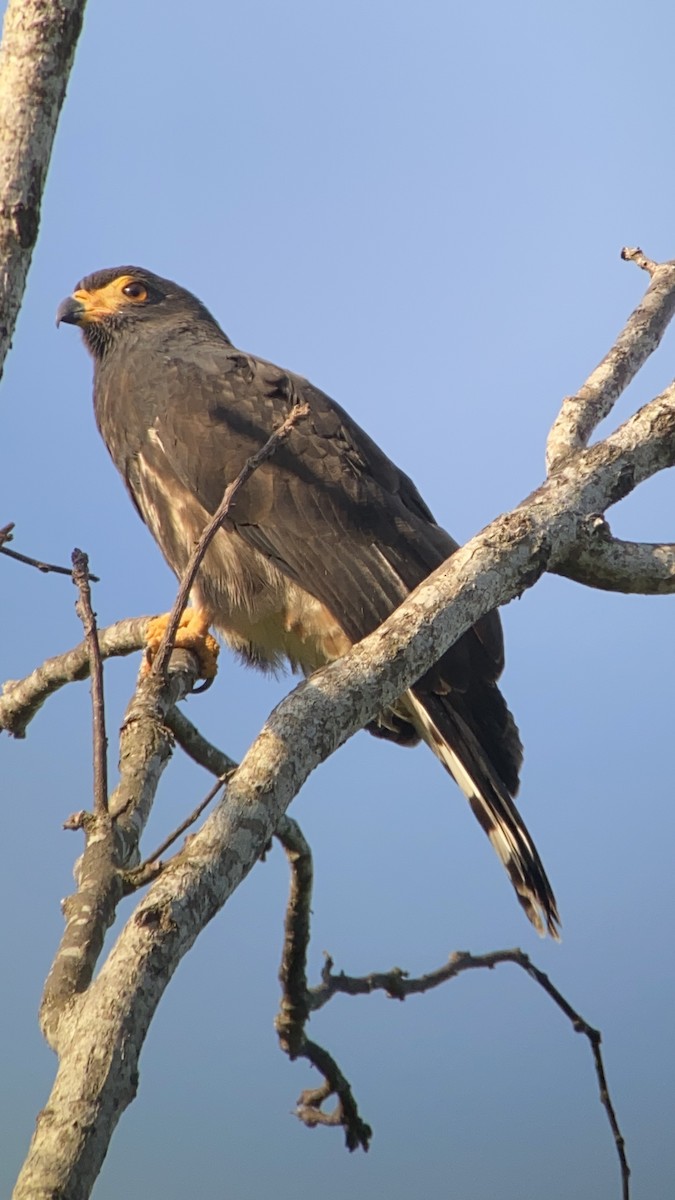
206,755
298,1001
398,985
197,747
595,1038
47,568
86,614
173,837
208,533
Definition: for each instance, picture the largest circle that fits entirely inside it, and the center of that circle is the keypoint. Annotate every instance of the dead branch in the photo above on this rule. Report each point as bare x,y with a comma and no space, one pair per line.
298,1001
21,699
7,535
398,985
581,414
36,55
197,747
599,560
111,842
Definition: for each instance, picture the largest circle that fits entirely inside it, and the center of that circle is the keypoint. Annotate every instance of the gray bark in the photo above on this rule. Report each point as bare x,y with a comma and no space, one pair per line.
36,55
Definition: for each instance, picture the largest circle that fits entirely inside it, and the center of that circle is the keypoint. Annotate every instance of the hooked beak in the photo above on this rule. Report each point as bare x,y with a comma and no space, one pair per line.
70,311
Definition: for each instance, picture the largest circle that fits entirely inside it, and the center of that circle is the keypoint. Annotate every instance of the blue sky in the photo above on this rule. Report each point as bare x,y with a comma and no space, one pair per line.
421,208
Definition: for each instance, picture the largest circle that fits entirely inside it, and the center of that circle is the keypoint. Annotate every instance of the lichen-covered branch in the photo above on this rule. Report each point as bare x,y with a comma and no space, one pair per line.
112,835
36,55
21,699
582,413
599,560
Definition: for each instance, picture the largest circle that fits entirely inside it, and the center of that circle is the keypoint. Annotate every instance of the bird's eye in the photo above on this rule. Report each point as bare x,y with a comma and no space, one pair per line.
135,291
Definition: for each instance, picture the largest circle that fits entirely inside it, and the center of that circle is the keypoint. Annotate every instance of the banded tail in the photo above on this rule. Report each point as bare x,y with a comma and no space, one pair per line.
452,740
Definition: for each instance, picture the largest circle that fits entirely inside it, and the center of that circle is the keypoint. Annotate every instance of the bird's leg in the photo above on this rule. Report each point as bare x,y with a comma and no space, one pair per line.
192,634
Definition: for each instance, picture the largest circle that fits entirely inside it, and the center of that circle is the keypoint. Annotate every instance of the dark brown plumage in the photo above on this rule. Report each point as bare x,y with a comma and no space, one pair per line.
327,538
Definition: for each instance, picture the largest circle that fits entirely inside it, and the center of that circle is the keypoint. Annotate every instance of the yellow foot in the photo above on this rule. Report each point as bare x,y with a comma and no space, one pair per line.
192,634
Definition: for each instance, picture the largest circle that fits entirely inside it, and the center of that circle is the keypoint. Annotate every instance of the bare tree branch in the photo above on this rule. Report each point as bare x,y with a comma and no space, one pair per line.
21,699
635,254
601,561
197,747
36,55
111,841
184,825
299,1001
85,612
294,1008
6,535
581,414
398,985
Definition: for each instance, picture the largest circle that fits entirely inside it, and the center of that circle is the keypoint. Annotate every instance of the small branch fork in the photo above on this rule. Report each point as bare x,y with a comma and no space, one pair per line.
299,1001
581,414
596,559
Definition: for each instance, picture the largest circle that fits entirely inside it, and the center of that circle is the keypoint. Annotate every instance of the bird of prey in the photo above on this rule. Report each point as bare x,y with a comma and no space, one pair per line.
326,538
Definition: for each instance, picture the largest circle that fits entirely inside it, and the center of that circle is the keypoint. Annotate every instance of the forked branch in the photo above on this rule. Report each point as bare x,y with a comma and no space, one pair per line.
299,1001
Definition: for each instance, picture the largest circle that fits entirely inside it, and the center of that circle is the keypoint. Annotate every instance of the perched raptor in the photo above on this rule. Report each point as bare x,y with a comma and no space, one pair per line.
326,539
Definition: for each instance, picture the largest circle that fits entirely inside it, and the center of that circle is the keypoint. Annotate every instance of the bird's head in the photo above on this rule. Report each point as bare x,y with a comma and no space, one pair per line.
112,303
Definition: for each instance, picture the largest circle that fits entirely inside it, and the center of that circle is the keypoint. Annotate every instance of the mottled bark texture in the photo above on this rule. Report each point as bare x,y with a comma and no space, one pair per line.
98,1025
36,55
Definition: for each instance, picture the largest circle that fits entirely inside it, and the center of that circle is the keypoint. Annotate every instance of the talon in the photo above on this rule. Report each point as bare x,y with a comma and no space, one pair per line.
192,634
